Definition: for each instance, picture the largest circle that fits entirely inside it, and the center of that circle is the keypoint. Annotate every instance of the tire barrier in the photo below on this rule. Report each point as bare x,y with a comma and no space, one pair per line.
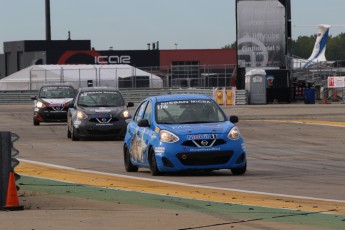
8,188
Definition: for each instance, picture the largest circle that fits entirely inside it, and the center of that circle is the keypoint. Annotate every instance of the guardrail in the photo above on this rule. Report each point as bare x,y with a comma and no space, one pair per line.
17,96
133,95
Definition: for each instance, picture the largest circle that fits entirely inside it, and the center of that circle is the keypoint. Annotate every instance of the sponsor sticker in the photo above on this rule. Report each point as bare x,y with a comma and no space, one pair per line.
77,123
104,124
201,136
56,105
102,115
165,105
159,149
102,110
243,147
204,149
98,92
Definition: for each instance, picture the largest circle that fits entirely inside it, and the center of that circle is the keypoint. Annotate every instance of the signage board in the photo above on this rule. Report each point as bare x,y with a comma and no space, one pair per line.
336,82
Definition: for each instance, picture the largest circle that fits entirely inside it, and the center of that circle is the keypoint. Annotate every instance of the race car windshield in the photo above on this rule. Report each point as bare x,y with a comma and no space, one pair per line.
188,112
100,99
56,92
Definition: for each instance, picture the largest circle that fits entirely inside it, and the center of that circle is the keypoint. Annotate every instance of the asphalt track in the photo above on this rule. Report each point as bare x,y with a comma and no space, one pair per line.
302,190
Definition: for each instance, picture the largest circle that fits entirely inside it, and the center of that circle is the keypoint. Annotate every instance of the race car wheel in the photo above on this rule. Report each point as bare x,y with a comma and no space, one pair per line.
36,122
127,159
153,163
68,133
239,171
74,134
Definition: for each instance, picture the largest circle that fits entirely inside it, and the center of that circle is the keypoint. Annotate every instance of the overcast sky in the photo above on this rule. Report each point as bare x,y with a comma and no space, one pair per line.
131,24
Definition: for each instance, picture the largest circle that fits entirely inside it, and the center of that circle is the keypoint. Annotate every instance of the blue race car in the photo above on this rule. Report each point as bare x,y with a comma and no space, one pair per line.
182,132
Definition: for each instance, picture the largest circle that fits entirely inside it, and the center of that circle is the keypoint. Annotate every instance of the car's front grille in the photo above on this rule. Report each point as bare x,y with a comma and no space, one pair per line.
203,143
57,108
103,119
110,132
204,158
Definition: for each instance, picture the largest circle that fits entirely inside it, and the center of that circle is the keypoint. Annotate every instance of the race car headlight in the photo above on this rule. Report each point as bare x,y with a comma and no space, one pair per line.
81,115
234,133
125,114
166,136
40,105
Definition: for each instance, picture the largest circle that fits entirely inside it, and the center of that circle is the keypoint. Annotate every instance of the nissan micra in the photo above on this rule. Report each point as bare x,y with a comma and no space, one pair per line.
183,132
98,112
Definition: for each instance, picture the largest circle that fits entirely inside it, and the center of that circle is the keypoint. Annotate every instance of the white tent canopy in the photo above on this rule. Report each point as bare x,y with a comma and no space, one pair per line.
33,77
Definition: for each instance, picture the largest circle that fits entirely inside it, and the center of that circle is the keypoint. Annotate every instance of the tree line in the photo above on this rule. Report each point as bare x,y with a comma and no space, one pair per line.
335,47
303,46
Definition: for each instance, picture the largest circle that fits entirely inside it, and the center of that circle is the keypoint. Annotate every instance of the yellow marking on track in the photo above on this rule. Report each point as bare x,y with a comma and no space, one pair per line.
310,122
178,190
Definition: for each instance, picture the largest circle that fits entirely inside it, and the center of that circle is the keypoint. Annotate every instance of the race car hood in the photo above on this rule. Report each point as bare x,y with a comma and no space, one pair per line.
184,129
112,110
57,100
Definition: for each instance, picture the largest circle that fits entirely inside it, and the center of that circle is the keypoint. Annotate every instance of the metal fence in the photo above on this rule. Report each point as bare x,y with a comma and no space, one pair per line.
133,95
189,76
176,76
317,77
101,76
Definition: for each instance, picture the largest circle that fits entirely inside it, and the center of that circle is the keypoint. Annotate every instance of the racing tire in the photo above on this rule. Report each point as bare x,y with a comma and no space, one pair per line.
74,135
239,171
36,122
69,135
127,160
153,164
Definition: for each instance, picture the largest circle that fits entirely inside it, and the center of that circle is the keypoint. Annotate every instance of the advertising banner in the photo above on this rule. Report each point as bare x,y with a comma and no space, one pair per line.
336,82
137,58
261,33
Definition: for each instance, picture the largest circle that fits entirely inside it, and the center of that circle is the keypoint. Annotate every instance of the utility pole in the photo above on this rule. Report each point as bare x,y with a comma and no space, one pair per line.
48,32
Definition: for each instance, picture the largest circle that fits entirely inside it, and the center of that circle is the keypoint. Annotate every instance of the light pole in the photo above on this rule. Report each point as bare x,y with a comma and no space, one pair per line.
48,29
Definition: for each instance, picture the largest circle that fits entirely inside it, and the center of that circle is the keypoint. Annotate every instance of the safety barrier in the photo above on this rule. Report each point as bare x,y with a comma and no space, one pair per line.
133,95
224,96
8,188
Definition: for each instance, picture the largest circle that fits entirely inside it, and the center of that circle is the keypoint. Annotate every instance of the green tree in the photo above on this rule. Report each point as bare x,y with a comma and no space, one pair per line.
303,46
335,48
230,46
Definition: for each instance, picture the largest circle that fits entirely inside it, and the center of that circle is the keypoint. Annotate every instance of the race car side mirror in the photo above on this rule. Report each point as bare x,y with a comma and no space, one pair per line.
33,97
71,104
130,104
233,119
143,123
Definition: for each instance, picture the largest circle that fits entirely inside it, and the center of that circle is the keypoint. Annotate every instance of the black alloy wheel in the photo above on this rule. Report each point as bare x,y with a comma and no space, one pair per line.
127,160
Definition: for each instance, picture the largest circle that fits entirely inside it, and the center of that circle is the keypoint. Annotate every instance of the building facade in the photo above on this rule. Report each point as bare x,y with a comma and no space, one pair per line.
178,68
